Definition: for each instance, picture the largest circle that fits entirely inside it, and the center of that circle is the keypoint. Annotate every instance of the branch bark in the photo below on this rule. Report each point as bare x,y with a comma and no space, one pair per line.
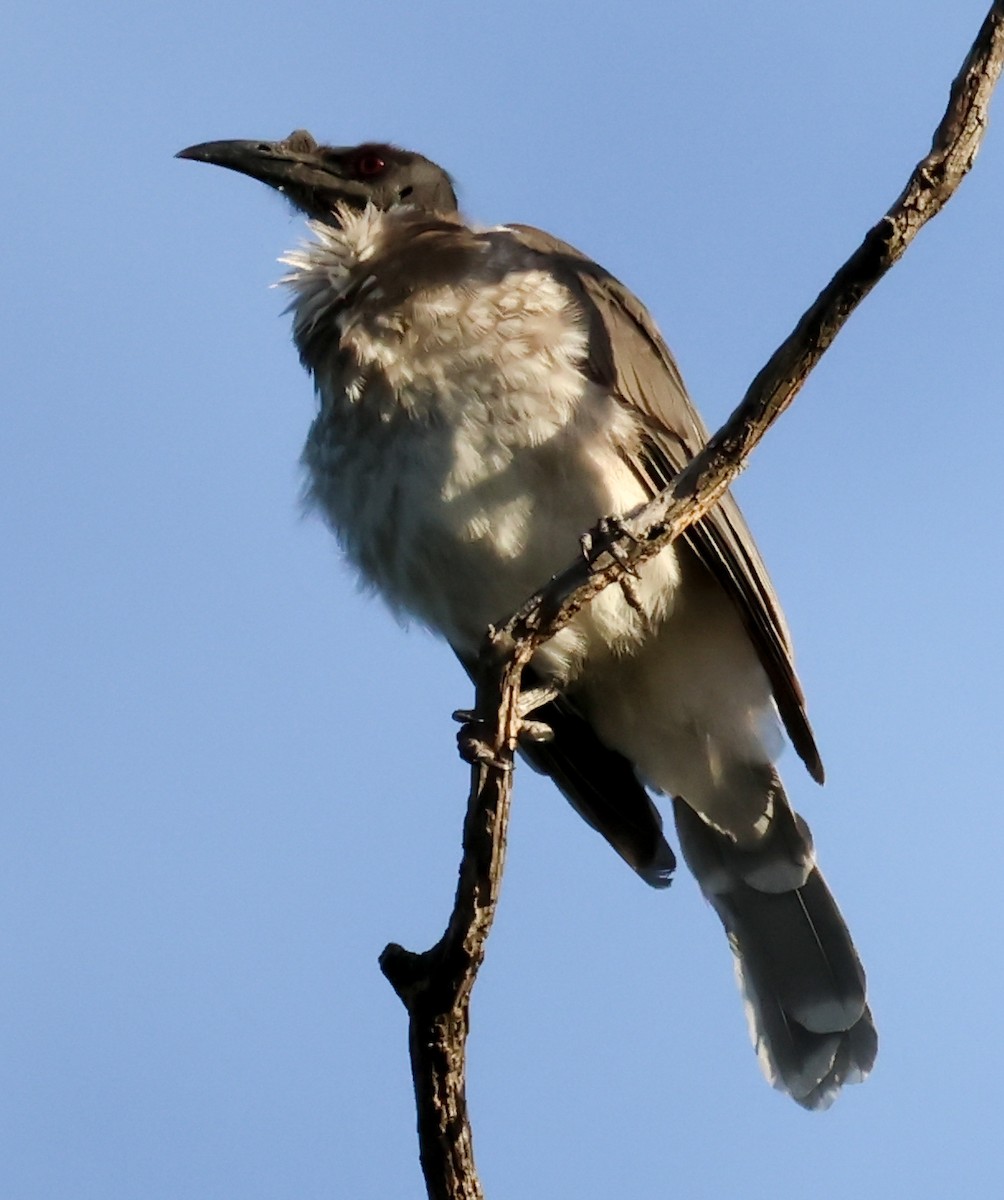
435,986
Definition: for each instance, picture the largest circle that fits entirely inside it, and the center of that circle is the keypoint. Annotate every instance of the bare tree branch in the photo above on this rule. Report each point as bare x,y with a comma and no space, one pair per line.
436,986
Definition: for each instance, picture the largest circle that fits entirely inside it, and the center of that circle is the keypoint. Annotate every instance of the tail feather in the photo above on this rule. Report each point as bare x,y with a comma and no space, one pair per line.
801,978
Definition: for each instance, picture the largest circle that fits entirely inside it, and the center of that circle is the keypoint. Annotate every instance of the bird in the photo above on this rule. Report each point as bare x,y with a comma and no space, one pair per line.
486,394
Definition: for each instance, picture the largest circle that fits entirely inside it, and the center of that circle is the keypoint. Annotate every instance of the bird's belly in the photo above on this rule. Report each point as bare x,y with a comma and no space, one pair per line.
693,711
457,520
458,523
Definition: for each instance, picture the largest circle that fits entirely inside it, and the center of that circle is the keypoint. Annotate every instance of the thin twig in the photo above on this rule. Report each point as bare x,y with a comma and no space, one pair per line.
436,986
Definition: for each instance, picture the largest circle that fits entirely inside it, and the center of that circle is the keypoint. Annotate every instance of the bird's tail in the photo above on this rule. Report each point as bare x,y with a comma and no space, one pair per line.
802,981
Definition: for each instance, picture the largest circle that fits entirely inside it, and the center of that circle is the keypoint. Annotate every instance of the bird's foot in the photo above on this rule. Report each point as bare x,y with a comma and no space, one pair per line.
605,539
473,746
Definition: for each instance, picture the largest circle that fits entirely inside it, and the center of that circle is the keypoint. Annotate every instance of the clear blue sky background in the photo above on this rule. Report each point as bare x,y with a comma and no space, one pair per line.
228,779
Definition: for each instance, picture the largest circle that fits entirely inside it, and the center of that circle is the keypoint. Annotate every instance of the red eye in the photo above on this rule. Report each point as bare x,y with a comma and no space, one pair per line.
369,165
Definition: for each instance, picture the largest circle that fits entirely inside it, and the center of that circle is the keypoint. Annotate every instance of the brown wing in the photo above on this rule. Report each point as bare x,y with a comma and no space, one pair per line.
628,355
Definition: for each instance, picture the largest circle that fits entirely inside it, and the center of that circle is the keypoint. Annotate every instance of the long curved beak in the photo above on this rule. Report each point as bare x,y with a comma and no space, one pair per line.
293,163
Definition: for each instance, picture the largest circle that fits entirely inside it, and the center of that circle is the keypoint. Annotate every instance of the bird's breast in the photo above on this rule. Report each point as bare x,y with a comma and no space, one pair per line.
461,451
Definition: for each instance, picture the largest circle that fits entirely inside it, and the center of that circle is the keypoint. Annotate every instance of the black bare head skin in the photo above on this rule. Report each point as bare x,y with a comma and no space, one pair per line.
318,180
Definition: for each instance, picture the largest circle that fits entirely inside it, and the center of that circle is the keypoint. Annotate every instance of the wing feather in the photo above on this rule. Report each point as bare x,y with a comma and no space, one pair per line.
627,354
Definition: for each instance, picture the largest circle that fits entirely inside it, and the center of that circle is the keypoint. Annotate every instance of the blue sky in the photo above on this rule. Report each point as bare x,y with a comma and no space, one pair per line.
229,779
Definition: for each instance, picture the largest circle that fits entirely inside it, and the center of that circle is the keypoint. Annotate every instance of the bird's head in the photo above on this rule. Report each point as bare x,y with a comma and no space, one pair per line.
318,180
